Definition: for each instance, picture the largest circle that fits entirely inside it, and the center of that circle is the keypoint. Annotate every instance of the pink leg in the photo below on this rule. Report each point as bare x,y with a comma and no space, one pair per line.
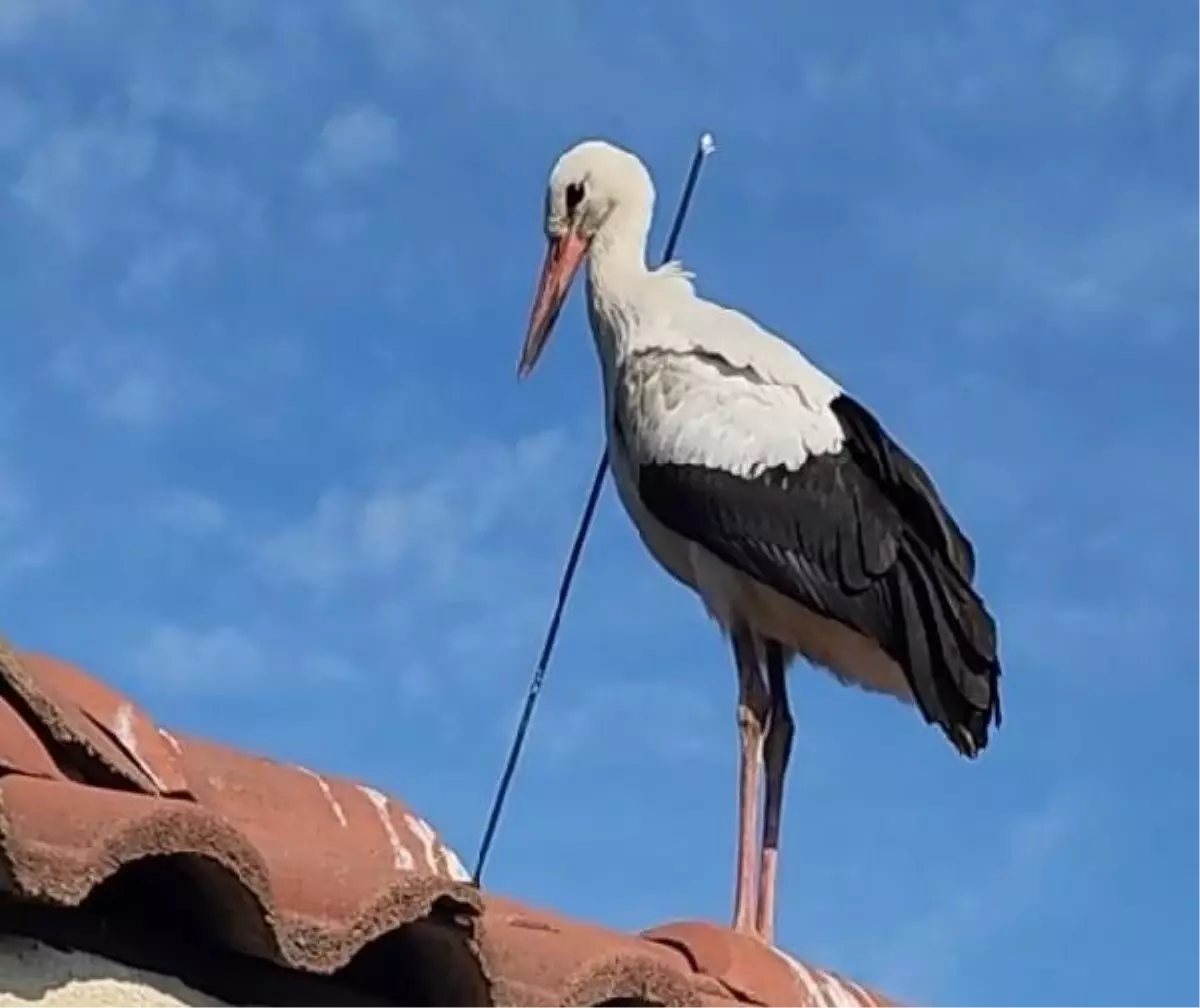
752,710
777,749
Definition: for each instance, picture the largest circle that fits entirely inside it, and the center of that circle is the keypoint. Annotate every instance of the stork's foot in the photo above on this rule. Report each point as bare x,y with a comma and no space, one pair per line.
753,931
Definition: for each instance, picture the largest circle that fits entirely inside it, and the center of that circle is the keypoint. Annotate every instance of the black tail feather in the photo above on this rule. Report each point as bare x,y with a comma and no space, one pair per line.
950,652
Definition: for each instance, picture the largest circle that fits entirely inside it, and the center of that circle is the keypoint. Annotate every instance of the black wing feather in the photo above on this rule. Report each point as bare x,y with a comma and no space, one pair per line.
861,537
906,484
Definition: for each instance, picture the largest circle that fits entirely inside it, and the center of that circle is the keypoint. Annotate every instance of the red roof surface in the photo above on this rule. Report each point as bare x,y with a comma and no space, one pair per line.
312,871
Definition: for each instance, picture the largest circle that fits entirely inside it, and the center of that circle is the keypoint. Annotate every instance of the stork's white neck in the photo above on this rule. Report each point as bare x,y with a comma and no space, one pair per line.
616,275
618,252
629,304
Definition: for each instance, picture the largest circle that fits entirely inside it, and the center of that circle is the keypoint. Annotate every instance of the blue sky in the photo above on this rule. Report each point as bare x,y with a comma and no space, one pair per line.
264,463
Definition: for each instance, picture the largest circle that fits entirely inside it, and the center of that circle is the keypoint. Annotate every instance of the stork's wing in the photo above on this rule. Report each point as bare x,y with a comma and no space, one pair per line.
856,535
904,483
820,535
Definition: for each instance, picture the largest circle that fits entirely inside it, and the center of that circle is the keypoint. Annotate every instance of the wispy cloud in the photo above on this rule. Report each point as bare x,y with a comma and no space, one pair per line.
76,171
17,119
435,575
218,660
225,659
977,903
353,146
1083,267
120,381
430,525
19,18
217,86
190,513
659,723
155,268
24,547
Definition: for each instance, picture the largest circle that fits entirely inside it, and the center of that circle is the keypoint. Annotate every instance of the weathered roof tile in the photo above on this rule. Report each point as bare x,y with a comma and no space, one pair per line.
124,723
61,839
754,972
21,751
315,872
53,693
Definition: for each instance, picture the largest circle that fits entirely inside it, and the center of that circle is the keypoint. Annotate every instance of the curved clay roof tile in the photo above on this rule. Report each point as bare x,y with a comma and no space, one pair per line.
317,873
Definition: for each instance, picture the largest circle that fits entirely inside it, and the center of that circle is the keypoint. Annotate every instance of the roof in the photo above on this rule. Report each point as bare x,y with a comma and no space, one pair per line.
102,811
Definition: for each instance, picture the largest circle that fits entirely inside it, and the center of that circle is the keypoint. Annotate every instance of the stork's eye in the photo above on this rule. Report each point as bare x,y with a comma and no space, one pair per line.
574,196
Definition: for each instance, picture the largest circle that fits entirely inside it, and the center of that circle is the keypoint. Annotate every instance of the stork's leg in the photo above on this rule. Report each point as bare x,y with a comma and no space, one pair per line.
752,711
777,749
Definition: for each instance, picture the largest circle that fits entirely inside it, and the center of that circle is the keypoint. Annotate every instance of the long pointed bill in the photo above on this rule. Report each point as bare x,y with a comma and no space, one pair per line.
564,253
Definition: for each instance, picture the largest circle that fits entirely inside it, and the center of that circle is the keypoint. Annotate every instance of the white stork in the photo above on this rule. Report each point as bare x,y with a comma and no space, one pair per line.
754,479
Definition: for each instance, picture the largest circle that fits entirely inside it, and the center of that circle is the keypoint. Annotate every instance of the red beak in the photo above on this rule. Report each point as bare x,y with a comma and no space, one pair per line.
564,253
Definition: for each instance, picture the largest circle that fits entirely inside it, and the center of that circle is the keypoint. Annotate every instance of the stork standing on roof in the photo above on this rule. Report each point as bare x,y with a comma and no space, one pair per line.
755,480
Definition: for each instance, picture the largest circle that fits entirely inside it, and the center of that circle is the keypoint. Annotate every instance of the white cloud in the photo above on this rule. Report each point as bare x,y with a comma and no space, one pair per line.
23,547
216,87
216,660
154,269
13,502
430,523
227,659
193,514
17,119
353,145
415,683
659,722
119,380
134,399
20,18
1171,81
396,33
1095,67
73,175
125,197
21,558
317,552
1128,258
328,670
412,566
928,952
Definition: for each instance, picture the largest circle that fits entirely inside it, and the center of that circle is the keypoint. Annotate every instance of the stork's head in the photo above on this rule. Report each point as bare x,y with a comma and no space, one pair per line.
595,191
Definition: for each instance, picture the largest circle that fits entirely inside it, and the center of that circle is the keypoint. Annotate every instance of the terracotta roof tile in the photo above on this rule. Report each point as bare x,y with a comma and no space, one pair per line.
118,729
347,844
80,748
754,972
21,751
544,958
313,872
